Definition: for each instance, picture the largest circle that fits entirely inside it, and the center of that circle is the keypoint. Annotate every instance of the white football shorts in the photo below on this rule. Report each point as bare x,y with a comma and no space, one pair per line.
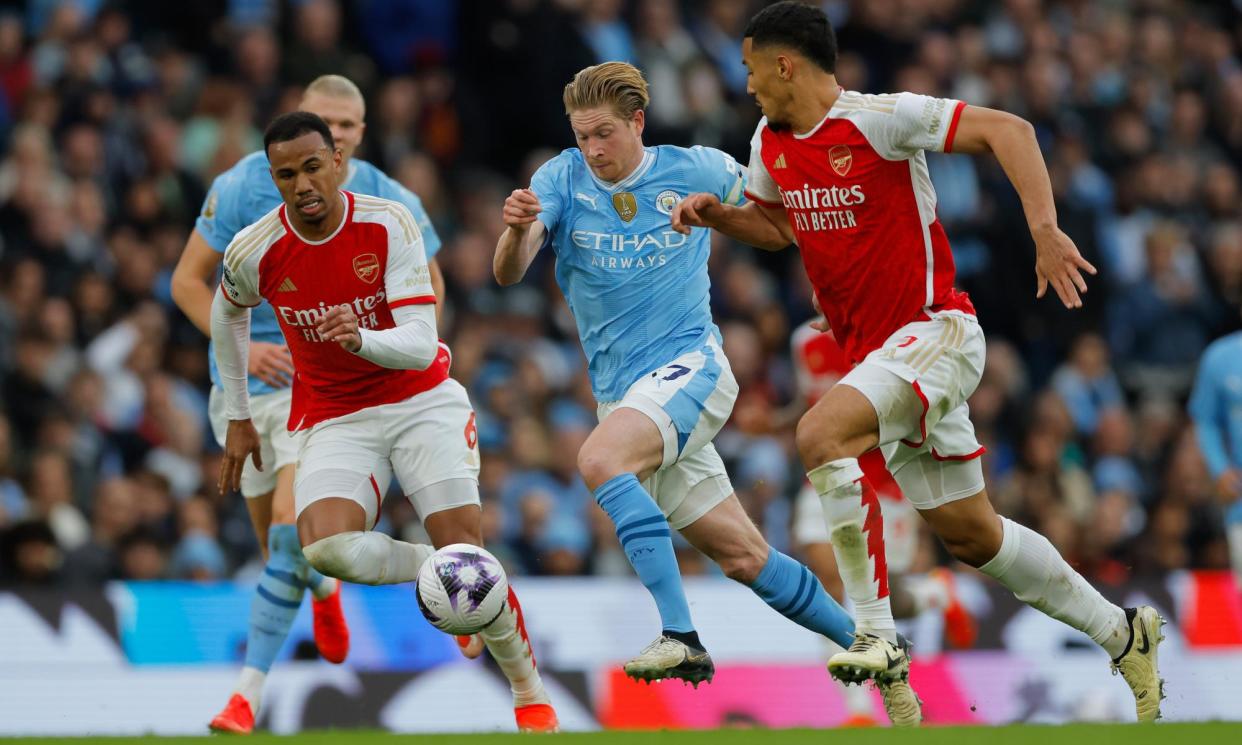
918,382
427,440
689,400
278,447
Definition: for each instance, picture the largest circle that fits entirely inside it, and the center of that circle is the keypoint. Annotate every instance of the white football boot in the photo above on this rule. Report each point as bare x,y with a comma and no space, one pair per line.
875,658
669,658
1137,664
870,657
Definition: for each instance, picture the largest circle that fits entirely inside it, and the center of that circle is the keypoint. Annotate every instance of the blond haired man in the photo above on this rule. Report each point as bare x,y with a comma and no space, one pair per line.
639,293
238,198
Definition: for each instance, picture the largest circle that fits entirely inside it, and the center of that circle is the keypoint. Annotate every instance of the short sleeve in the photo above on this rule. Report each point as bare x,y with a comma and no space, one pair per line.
389,188
760,186
221,217
240,276
406,277
550,184
924,123
716,172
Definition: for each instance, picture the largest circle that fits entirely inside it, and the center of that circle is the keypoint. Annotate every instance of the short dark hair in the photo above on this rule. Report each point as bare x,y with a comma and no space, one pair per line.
804,28
295,124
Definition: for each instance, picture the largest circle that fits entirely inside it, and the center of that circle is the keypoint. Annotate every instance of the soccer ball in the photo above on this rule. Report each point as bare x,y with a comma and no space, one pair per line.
461,589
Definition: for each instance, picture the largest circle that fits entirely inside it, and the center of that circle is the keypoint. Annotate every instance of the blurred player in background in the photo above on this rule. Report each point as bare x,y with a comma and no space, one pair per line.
819,362
239,197
639,294
1215,405
372,397
844,176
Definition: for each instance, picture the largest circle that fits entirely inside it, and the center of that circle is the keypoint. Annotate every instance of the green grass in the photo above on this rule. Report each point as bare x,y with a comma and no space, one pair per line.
1208,733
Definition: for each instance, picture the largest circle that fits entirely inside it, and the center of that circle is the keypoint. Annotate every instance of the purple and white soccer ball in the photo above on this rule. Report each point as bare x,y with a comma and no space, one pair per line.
461,589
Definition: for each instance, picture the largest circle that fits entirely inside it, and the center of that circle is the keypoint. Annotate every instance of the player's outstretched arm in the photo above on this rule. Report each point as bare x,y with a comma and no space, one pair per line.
192,280
522,238
751,223
1012,140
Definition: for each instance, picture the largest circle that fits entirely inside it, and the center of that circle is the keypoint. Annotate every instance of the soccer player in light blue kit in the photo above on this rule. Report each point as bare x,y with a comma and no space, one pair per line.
639,292
239,197
1216,408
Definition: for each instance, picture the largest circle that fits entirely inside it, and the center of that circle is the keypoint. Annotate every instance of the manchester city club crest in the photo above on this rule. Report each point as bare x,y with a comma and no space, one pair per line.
625,204
666,200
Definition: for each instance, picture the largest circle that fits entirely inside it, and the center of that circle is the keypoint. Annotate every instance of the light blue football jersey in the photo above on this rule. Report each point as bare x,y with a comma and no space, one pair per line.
637,288
246,192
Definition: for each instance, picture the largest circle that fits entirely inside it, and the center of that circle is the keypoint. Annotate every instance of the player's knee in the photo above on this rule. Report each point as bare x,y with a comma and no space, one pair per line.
818,442
336,556
597,466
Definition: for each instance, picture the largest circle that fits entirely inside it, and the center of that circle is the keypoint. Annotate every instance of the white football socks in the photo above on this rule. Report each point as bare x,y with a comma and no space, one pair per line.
1033,570
250,686
367,557
508,644
839,484
325,588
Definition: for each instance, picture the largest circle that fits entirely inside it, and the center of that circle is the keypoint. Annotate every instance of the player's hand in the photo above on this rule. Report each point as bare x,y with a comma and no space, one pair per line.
271,363
521,209
1058,263
695,211
340,325
241,441
1228,485
820,324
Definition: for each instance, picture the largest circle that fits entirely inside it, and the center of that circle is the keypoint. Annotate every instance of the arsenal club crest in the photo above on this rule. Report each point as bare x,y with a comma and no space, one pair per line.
840,158
625,204
367,268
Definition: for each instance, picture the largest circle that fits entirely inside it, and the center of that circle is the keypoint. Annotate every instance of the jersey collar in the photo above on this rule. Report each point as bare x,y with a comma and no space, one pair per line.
345,218
811,132
625,183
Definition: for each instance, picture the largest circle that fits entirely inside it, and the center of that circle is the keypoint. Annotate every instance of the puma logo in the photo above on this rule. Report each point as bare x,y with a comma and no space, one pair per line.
585,198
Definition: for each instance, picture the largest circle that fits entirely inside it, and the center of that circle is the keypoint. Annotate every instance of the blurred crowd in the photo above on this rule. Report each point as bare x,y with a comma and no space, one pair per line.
116,116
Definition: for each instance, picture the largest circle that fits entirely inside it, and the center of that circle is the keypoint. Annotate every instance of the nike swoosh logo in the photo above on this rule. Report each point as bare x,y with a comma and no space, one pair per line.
1145,647
691,657
891,662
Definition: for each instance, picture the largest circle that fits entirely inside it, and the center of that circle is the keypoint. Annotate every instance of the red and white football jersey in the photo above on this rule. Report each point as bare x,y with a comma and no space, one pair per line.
862,206
373,262
819,362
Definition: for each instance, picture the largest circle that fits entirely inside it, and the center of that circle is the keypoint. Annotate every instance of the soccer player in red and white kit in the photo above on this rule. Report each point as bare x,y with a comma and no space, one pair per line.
348,279
819,363
843,175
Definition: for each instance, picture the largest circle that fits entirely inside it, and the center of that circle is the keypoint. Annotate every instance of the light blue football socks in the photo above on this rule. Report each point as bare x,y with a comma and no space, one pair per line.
794,592
277,597
644,535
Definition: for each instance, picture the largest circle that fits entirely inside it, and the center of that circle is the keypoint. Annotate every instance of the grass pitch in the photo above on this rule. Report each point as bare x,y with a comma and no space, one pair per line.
1209,733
